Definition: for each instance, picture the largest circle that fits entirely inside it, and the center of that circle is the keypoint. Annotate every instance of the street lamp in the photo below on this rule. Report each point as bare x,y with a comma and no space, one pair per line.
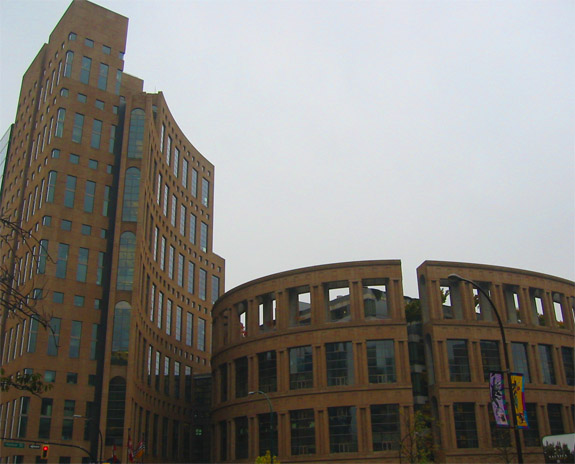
458,278
100,438
259,392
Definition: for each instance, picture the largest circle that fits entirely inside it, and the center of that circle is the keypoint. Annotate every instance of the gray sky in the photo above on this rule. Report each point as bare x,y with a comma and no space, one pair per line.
349,130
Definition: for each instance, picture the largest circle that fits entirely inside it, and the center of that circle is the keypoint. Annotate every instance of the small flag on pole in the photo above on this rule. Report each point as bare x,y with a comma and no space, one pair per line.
518,389
497,394
130,450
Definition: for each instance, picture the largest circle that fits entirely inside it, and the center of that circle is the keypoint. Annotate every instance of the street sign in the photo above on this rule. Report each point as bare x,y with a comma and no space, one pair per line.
34,446
13,444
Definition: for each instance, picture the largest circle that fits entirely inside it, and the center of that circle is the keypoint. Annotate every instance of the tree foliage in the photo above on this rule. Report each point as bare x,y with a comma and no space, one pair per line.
267,459
558,453
416,445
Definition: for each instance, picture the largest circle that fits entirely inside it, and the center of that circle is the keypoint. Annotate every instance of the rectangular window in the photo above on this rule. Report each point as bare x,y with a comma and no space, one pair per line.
68,63
169,151
465,425
183,217
531,435
342,429
568,365
192,228
82,270
381,361
23,421
241,428
178,333
85,71
166,196
267,371
547,367
176,380
520,361
162,136
103,76
45,418
171,262
51,188
112,141
100,269
201,334
241,369
96,134
205,192
89,196
385,432
106,202
339,363
194,182
169,305
268,433
118,82
300,367
215,288
180,270
173,210
202,284
490,357
176,161
302,425
191,268
223,373
75,338
60,117
42,256
185,167
163,253
32,335
70,193
500,437
62,260
555,419
458,361
78,128
54,336
160,309
166,375
157,371
189,328
204,237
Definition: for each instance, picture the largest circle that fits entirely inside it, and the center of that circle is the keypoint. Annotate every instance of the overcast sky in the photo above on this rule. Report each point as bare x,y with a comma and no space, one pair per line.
350,130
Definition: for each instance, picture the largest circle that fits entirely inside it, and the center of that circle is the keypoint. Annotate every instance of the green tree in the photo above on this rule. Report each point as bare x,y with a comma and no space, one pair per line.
413,311
416,445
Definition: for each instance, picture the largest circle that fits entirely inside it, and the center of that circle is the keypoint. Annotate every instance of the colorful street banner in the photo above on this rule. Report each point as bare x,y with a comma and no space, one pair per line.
518,389
497,395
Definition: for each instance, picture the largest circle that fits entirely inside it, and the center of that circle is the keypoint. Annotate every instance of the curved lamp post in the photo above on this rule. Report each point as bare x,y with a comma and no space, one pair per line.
100,438
272,441
458,278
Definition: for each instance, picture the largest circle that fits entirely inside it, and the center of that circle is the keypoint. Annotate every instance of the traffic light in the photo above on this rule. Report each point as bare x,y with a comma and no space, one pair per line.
45,451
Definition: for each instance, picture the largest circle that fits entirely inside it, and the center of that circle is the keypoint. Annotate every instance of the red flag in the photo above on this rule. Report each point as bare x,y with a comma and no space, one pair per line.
114,458
130,449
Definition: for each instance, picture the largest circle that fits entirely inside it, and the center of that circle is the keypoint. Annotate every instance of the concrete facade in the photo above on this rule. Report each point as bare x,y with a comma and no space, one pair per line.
283,312
122,204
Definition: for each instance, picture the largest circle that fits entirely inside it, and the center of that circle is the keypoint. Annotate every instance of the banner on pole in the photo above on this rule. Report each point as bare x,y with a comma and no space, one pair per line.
518,389
497,395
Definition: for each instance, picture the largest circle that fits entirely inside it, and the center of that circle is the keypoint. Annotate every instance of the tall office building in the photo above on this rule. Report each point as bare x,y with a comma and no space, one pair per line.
121,204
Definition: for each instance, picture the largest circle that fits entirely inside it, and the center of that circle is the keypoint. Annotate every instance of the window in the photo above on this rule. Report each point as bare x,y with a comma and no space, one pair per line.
520,361
79,300
106,202
178,333
339,363
106,50
93,164
82,98
342,429
45,418
568,365
531,435
166,195
205,192
223,374
171,254
201,334
204,237
302,424
169,151
268,433
82,270
547,368
100,269
89,43
267,371
173,210
180,270
89,196
183,217
299,306
23,421
166,377
78,127
215,288
118,81
42,256
96,134
163,253
85,70
490,357
500,437
103,76
51,187
126,259
116,407
194,182
70,193
58,297
176,161
189,328
241,369
130,202
68,63
375,300
192,229
62,260
169,306
202,284
136,136
60,117
555,419
191,267
112,142
72,378
185,167
241,427
54,336
385,430
465,426
381,361
75,338
74,159
458,361
300,367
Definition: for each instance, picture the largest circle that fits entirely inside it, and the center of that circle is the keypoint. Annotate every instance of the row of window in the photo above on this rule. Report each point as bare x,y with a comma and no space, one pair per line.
86,70
459,366
106,50
380,355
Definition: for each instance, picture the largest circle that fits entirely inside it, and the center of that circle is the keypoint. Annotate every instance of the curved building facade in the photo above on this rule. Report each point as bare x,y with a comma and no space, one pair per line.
344,371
